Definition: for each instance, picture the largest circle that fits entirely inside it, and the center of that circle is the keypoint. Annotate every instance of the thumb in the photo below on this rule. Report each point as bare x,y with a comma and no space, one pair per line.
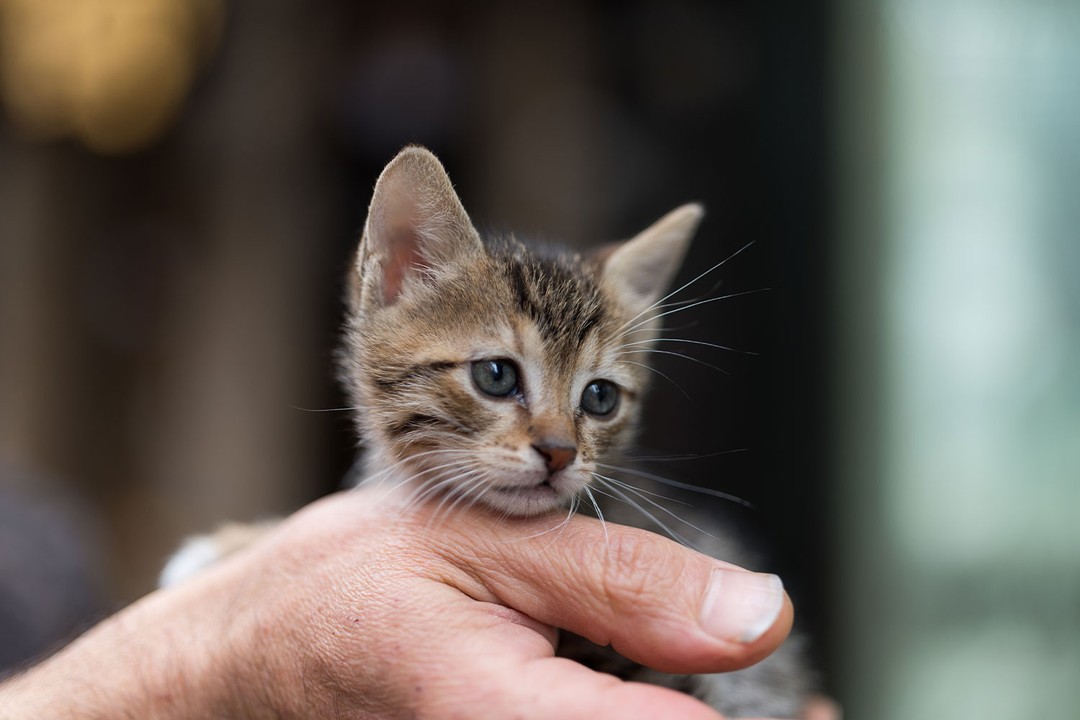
654,601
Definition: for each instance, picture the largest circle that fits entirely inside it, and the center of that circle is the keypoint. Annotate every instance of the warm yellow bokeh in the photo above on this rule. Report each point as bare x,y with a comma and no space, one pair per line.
111,73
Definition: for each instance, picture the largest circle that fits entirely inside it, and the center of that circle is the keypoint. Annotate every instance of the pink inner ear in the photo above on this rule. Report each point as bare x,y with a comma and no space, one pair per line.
404,256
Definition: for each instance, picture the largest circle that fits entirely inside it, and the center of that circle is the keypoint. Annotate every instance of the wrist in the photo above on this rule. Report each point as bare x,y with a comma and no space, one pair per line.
148,660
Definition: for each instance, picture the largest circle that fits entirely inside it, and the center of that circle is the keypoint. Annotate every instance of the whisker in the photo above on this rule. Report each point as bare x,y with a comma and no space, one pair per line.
679,328
715,267
683,456
323,410
476,487
453,489
689,342
677,537
681,485
424,487
692,305
392,467
652,369
649,492
682,287
599,514
575,501
616,484
642,494
598,491
433,486
676,354
399,462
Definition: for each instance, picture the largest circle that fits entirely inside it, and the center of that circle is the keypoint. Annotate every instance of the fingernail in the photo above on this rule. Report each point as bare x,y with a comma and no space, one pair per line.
741,605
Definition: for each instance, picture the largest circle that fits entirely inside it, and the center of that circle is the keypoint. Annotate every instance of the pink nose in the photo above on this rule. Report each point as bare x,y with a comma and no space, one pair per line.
556,455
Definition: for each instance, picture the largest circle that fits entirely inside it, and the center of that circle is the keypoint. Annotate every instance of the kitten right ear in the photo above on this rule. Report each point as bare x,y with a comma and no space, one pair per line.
641,268
415,222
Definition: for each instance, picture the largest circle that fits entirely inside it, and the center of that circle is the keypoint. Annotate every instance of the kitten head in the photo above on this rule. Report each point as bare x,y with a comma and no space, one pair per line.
490,371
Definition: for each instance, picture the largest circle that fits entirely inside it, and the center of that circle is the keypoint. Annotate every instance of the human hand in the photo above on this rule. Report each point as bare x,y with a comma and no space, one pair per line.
351,610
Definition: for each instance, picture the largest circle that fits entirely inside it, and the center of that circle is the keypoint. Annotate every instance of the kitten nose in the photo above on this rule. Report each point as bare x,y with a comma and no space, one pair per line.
557,455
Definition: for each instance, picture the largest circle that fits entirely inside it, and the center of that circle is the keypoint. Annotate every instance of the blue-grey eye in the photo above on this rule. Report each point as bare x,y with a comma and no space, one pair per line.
600,398
497,378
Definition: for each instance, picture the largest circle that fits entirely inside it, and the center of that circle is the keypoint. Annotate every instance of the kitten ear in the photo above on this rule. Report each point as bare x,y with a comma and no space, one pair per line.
642,268
415,222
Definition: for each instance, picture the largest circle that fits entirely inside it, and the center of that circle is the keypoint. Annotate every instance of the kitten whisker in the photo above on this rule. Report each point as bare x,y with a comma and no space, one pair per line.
477,487
689,342
681,485
682,287
399,462
649,492
575,501
642,494
691,358
598,491
323,410
677,303
679,328
728,296
423,486
684,456
615,486
677,537
448,487
460,487
386,471
432,486
599,514
654,370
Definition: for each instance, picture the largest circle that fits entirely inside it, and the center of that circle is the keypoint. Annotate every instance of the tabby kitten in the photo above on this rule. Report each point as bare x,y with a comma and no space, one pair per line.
491,372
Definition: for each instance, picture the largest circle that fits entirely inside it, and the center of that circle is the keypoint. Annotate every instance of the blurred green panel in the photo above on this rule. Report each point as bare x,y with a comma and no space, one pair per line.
958,311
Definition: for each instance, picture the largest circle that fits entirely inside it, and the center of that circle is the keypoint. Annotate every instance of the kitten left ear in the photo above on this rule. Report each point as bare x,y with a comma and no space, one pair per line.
642,268
415,222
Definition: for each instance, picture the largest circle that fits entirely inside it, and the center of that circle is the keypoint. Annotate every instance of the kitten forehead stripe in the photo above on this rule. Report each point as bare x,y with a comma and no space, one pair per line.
555,291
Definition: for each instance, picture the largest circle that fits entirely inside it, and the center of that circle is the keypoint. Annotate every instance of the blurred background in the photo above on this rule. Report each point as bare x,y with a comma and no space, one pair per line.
182,181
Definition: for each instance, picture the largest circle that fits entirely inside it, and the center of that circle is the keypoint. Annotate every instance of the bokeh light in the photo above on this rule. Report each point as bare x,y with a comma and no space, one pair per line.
110,73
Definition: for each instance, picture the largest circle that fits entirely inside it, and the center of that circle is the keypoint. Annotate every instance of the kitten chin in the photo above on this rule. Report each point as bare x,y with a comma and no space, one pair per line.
526,500
492,373
522,488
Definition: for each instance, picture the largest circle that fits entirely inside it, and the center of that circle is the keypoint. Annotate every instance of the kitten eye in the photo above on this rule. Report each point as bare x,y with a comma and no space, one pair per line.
600,398
498,378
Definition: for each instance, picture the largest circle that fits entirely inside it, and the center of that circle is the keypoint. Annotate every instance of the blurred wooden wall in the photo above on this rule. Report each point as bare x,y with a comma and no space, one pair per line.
165,310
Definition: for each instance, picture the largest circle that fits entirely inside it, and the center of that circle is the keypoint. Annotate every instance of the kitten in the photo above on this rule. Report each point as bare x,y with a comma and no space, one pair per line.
490,372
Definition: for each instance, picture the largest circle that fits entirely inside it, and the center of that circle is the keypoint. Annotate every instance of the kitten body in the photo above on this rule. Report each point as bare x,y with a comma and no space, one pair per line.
490,372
